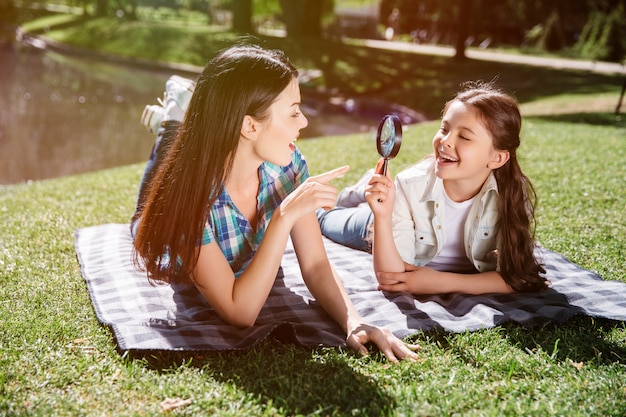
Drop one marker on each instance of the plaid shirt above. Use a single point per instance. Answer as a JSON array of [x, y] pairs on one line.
[[232, 231]]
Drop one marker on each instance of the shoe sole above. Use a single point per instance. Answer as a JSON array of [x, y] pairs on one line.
[[147, 116]]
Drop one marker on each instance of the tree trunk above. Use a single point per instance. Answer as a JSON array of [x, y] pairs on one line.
[[463, 19], [621, 97], [242, 16], [303, 17], [101, 7]]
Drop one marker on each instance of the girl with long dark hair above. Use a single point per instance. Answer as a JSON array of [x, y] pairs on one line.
[[227, 187]]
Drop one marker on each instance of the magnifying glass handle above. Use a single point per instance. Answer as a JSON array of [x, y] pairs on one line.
[[383, 170]]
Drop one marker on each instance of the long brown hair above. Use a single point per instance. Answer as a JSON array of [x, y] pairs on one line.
[[239, 81], [516, 207]]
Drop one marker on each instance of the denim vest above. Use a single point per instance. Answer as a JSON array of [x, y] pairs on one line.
[[419, 219]]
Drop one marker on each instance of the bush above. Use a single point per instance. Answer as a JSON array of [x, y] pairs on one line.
[[604, 36], [553, 37]]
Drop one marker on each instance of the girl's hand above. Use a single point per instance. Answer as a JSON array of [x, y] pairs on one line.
[[312, 194], [380, 193], [414, 281], [393, 348], [423, 280]]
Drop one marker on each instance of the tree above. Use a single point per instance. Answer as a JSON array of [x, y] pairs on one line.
[[8, 15], [304, 17], [604, 34], [101, 7], [463, 19], [125, 8], [242, 16]]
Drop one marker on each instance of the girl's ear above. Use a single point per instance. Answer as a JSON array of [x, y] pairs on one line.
[[498, 159], [249, 128]]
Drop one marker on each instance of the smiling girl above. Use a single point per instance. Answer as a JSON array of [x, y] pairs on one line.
[[226, 188], [460, 220]]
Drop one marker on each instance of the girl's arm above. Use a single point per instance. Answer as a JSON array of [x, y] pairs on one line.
[[239, 301], [318, 274], [423, 280], [381, 195], [327, 288]]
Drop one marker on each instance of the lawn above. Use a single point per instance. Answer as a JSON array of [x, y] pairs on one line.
[[56, 359]]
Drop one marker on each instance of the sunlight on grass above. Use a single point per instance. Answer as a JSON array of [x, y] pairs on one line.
[[55, 356], [44, 24], [567, 104]]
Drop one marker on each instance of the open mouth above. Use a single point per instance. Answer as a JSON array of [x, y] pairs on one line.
[[444, 158]]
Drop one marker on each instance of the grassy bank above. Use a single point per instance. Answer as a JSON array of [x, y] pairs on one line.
[[56, 359], [421, 82]]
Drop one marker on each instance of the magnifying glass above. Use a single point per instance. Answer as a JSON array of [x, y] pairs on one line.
[[389, 139]]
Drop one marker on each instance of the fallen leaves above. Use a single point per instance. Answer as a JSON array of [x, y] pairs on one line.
[[170, 404], [577, 365]]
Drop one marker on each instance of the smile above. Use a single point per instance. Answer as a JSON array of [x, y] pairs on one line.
[[447, 158]]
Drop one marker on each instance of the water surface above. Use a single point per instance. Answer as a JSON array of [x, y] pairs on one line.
[[62, 115]]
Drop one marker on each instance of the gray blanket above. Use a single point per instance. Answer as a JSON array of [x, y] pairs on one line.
[[144, 316]]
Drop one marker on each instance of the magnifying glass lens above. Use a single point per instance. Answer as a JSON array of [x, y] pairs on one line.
[[387, 137]]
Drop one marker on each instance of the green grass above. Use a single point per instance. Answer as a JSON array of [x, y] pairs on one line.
[[56, 359]]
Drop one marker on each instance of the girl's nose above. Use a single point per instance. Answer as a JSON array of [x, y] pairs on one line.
[[305, 121]]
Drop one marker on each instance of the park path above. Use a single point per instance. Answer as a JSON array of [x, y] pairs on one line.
[[485, 55]]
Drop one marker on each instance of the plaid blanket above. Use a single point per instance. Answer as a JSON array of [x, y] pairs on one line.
[[144, 316]]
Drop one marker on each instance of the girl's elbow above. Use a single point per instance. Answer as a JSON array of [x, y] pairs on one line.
[[244, 324], [239, 320]]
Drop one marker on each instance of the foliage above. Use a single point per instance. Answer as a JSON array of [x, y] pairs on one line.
[[604, 35], [554, 25], [346, 69], [553, 37], [595, 28]]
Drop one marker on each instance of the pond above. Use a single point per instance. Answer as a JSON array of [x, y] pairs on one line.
[[63, 115]]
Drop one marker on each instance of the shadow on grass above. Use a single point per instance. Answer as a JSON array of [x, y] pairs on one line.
[[421, 82], [425, 82], [291, 378], [77, 20], [597, 119], [581, 339]]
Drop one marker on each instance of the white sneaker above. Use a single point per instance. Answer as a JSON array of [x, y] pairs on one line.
[[152, 117], [353, 195], [178, 91]]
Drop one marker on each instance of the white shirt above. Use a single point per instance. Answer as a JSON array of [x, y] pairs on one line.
[[419, 219], [452, 257]]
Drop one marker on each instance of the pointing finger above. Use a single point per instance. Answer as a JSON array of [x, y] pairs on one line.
[[331, 175]]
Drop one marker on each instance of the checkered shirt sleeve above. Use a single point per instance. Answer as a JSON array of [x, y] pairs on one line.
[[232, 231]]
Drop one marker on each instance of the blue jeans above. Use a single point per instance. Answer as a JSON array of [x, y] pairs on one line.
[[165, 137], [349, 226]]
